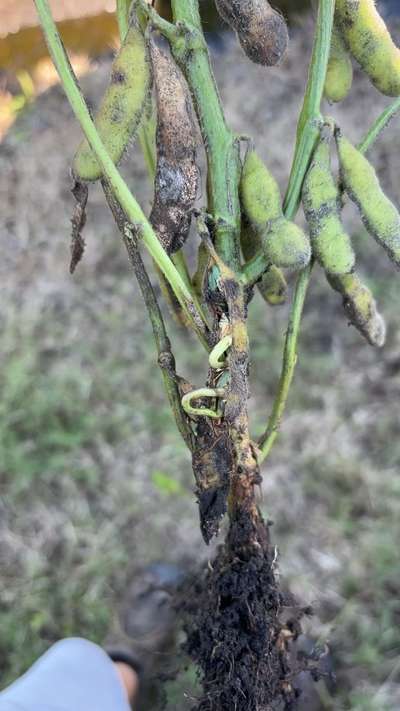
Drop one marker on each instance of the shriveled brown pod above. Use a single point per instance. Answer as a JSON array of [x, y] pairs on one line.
[[177, 175], [261, 31]]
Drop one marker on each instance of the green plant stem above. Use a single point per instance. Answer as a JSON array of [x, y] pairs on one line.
[[267, 440], [120, 189], [190, 51], [310, 117], [380, 124], [123, 17], [307, 135], [253, 270]]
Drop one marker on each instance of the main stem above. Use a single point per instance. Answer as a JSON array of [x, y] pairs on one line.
[[307, 136]]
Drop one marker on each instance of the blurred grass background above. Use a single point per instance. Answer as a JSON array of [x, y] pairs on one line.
[[94, 480]]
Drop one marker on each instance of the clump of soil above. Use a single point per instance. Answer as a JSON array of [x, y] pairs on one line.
[[240, 627]]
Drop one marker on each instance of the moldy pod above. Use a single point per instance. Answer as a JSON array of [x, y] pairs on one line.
[[381, 218], [369, 41], [123, 106], [262, 31], [176, 180], [321, 202]]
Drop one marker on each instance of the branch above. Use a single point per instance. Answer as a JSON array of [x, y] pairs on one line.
[[380, 124], [288, 367], [166, 358], [123, 17]]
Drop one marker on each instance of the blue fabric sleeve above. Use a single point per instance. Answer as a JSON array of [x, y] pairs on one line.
[[74, 675]]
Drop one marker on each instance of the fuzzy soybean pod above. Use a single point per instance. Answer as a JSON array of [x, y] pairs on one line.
[[360, 307], [368, 39], [262, 31], [284, 244], [177, 174], [123, 106], [339, 75], [273, 285], [381, 218], [321, 202]]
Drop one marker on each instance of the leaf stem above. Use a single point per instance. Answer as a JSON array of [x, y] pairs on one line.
[[166, 358], [123, 17], [120, 189], [267, 440], [380, 124]]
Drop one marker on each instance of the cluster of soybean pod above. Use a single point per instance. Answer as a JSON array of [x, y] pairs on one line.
[[146, 82], [358, 31]]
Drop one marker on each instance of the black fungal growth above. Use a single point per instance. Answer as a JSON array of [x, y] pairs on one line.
[[177, 174]]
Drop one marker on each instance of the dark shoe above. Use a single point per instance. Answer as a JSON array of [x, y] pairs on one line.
[[144, 634]]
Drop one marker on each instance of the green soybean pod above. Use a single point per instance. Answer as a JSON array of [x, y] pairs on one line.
[[369, 40], [262, 31], [273, 285], [123, 106], [286, 245], [321, 202], [380, 217], [259, 192], [360, 307], [339, 75]]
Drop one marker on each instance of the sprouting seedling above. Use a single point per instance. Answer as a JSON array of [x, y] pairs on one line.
[[285, 245], [339, 75], [322, 205], [369, 40], [217, 358], [380, 216], [176, 179], [262, 31], [123, 107], [199, 395]]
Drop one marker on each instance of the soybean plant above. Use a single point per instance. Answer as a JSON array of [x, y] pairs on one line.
[[246, 237]]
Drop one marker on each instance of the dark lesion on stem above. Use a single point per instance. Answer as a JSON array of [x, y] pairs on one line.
[[245, 477]]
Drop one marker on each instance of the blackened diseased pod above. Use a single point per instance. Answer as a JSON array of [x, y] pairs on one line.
[[80, 192], [177, 174], [380, 217], [339, 75], [262, 31], [368, 39], [123, 107], [322, 204], [284, 244], [360, 307], [273, 285]]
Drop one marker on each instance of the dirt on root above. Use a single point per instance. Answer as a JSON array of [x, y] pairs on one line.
[[236, 628]]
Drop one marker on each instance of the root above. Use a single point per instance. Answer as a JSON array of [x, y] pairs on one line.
[[236, 635]]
